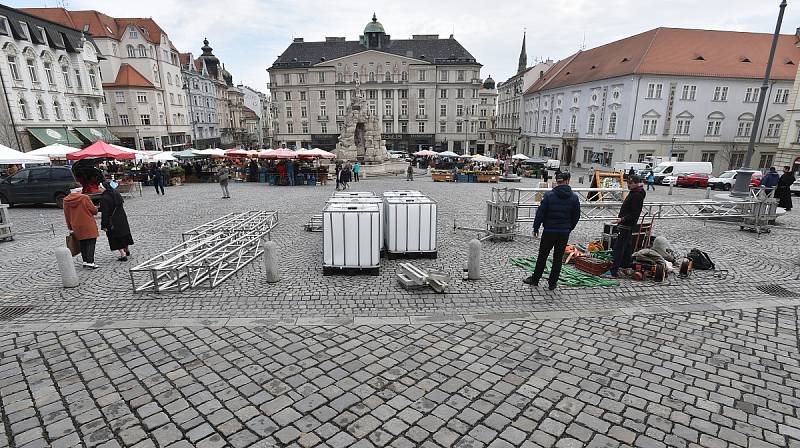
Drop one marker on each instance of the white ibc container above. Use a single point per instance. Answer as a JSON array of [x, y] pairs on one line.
[[410, 224], [402, 194], [364, 200], [354, 194], [350, 236]]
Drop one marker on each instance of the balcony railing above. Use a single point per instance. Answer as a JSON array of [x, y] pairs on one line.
[[322, 117], [403, 117], [422, 117]]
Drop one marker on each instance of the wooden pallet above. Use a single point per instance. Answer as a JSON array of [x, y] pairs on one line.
[[334, 270], [411, 255]]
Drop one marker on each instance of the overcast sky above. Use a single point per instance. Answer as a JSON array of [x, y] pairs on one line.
[[247, 35]]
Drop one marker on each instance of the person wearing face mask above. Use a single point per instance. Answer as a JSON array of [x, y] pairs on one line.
[[626, 221]]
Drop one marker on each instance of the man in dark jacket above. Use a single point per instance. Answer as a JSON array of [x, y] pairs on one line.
[[770, 180], [559, 212], [626, 221]]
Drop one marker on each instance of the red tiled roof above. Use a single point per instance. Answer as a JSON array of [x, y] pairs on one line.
[[127, 76], [183, 58], [100, 25], [678, 52]]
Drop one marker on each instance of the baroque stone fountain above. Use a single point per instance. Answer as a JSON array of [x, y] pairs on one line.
[[361, 136]]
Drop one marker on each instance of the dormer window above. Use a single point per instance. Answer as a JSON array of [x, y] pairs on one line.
[[745, 60], [4, 26], [699, 58], [25, 31], [42, 34], [133, 34]]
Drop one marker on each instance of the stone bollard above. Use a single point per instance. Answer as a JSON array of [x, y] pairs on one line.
[[271, 262], [474, 260], [708, 192], [671, 184], [69, 278]]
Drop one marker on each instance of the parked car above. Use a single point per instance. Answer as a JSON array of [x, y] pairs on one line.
[[726, 180], [675, 168], [402, 155], [40, 185], [795, 187], [667, 180], [697, 180]]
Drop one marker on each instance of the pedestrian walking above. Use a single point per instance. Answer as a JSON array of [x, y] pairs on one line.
[[559, 212], [79, 214], [164, 176], [410, 172], [338, 174], [114, 221], [158, 178], [651, 179], [591, 174], [223, 175], [631, 173], [545, 175], [356, 170], [784, 192], [290, 172], [770, 180], [626, 221]]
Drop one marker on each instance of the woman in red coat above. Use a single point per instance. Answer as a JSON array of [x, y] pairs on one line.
[[79, 213]]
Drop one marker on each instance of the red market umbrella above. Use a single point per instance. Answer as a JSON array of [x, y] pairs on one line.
[[100, 150], [281, 153], [315, 153], [237, 153]]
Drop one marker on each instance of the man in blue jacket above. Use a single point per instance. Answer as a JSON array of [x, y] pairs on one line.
[[559, 212]]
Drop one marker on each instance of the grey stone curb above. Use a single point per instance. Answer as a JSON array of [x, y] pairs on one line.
[[382, 321]]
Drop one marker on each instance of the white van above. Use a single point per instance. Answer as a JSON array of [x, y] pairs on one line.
[[665, 169]]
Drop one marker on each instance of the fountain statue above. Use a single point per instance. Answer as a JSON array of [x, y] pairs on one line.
[[361, 134]]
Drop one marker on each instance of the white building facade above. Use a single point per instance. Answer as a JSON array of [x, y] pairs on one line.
[[424, 91], [51, 82], [141, 76], [629, 115]]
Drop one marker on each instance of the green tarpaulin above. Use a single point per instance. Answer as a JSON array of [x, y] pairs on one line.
[[49, 136], [98, 133]]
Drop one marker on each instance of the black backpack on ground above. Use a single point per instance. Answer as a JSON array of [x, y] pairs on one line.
[[700, 260]]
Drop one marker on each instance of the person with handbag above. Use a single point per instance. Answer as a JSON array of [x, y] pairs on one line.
[[114, 222], [79, 214]]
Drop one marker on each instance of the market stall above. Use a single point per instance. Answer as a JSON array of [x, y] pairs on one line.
[[85, 168]]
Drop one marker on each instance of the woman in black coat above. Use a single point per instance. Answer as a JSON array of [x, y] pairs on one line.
[[114, 222]]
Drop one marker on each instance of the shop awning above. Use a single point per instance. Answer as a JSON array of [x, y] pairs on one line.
[[50, 136], [99, 133]]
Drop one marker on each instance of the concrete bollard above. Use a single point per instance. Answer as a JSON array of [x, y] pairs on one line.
[[474, 260], [271, 262], [671, 184], [708, 192], [69, 278]]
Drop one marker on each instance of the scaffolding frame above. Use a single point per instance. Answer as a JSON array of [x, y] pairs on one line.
[[509, 207], [209, 254]]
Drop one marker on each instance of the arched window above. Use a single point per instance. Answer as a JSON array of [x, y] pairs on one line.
[[612, 123], [73, 110], [355, 76], [57, 110], [169, 79], [544, 123], [23, 109], [572, 122], [590, 127], [90, 112], [387, 76], [339, 77], [92, 79], [404, 76], [557, 124], [371, 76], [142, 51], [131, 51], [40, 109]]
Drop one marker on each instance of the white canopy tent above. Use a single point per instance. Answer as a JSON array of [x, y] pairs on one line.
[[140, 155], [212, 152], [55, 151], [483, 159], [519, 156], [165, 156], [10, 156]]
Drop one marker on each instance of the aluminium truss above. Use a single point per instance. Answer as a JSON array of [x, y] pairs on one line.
[[511, 206], [209, 254]]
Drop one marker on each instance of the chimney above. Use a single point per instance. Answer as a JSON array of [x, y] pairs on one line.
[[297, 39]]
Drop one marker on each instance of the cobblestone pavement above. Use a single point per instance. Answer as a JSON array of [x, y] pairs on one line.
[[710, 361], [712, 379], [28, 269]]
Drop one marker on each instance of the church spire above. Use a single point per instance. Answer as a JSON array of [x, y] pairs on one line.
[[523, 56]]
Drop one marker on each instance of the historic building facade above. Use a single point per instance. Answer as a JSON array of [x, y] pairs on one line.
[[424, 91], [266, 120], [252, 101], [508, 127], [52, 92], [643, 96], [203, 85], [146, 104]]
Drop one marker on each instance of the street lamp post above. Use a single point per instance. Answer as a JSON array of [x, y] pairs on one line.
[[466, 137], [743, 176], [671, 149]]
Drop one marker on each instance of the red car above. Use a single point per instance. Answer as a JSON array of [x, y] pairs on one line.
[[692, 180]]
